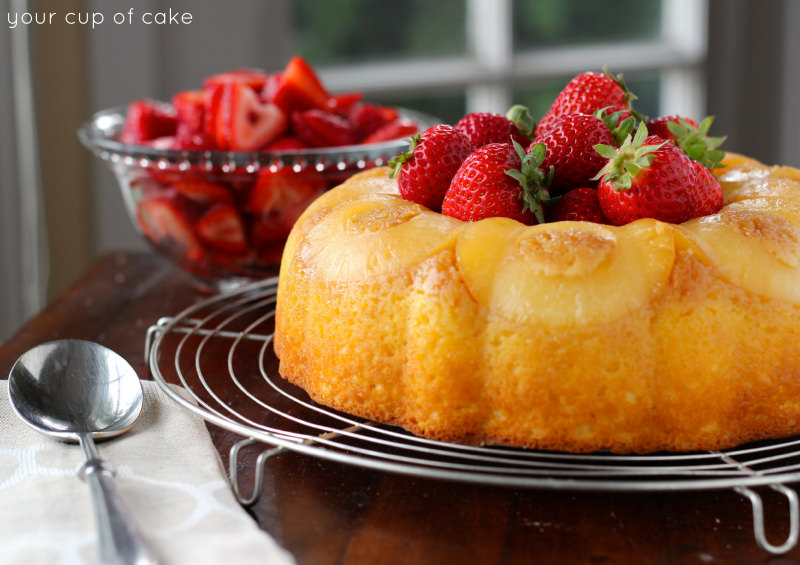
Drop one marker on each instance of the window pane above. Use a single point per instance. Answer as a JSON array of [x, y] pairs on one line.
[[540, 23], [539, 96], [333, 32]]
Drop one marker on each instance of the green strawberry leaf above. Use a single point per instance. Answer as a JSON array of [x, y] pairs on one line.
[[696, 143], [629, 96], [628, 161], [397, 163], [522, 119], [533, 180]]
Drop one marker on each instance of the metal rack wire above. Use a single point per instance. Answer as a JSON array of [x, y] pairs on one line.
[[250, 399]]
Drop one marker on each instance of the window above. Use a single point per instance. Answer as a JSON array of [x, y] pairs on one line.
[[445, 57], [454, 56]]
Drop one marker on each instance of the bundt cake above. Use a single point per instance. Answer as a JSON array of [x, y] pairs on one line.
[[567, 335]]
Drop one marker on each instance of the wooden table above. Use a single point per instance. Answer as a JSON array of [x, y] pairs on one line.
[[331, 513]]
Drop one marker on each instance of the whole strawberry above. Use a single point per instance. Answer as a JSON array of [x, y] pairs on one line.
[[570, 148], [661, 127], [424, 172], [707, 194], [588, 93], [483, 128], [499, 179], [691, 137], [647, 177], [578, 205]]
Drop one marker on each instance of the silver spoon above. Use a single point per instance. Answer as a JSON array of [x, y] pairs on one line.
[[77, 390]]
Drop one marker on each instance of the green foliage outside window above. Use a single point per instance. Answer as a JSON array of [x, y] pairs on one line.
[[340, 32], [540, 23], [346, 31]]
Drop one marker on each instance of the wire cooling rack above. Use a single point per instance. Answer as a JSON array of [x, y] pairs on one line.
[[219, 352]]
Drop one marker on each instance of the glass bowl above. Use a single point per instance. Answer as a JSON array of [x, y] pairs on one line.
[[224, 216]]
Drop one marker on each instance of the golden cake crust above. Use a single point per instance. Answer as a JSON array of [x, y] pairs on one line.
[[566, 336]]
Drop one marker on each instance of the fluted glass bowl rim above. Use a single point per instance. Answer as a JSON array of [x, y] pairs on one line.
[[100, 135]]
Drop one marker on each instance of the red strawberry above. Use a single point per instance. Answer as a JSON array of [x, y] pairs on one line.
[[286, 143], [198, 142], [147, 120], [499, 179], [366, 118], [691, 137], [647, 177], [396, 129], [320, 128], [241, 122], [203, 191], [424, 172], [570, 145], [284, 190], [277, 200], [344, 102], [707, 194], [222, 229], [189, 108], [588, 93], [163, 222], [661, 126], [483, 128], [267, 92], [300, 88], [254, 78], [578, 205], [211, 109]]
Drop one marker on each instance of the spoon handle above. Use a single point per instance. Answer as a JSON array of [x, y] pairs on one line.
[[121, 541]]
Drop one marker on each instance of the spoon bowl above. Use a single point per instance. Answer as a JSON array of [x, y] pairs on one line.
[[67, 387], [79, 391]]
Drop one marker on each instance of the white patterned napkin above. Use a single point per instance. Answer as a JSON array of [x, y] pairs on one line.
[[168, 474]]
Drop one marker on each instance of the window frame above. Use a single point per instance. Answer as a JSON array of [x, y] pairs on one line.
[[490, 68]]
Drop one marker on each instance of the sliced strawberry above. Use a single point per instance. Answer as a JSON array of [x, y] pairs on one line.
[[397, 129], [189, 108], [147, 120], [166, 142], [268, 238], [270, 87], [254, 78], [279, 197], [319, 128], [242, 122], [366, 118], [343, 103], [221, 228], [163, 222], [211, 110], [286, 143], [192, 141], [203, 191], [300, 88]]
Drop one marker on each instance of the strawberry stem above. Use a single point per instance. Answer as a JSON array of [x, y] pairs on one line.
[[696, 143], [620, 129], [397, 163], [533, 180], [521, 117], [627, 161], [629, 96]]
